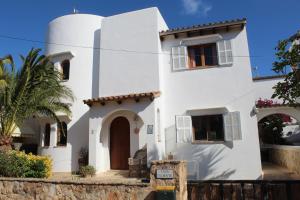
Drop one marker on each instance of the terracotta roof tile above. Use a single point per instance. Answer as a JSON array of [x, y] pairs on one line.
[[278, 105], [205, 26], [268, 77], [135, 96]]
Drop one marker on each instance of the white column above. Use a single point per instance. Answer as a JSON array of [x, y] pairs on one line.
[[53, 135], [94, 137]]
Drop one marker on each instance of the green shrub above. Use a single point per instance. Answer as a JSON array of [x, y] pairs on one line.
[[87, 171], [19, 164]]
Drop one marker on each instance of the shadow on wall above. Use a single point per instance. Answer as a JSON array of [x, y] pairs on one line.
[[152, 153], [202, 160], [96, 64], [78, 137]]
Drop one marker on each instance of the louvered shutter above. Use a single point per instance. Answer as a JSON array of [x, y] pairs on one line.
[[184, 129], [232, 126], [236, 126], [227, 127], [225, 55], [179, 57]]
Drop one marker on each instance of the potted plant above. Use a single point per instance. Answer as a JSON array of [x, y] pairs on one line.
[[87, 171]]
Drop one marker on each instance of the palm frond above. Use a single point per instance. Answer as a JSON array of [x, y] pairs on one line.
[[35, 89]]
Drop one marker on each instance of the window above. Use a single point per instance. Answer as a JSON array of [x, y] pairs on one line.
[[217, 127], [47, 135], [62, 131], [65, 67], [202, 55], [208, 127]]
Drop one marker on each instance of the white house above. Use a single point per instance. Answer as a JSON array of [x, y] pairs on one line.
[[186, 91]]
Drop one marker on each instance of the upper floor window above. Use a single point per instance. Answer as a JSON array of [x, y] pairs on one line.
[[65, 67], [62, 132], [47, 135], [204, 55]]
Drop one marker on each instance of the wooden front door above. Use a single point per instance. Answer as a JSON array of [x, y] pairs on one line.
[[119, 143]]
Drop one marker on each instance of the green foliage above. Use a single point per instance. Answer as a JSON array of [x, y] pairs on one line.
[[288, 57], [19, 164], [87, 171], [35, 90], [271, 128]]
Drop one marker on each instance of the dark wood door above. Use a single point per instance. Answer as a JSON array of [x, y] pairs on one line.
[[119, 143]]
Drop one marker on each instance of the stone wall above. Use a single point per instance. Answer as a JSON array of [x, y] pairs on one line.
[[179, 179], [244, 189], [286, 156], [40, 189]]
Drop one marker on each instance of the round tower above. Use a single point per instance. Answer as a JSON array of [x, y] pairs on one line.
[[73, 43]]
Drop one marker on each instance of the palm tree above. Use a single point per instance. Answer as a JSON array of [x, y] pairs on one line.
[[34, 90]]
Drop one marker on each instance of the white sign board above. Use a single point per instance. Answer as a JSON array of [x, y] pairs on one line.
[[164, 174]]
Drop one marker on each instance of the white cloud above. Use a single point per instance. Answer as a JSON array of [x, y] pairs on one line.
[[192, 7]]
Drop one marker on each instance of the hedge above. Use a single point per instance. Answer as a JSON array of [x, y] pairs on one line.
[[19, 164]]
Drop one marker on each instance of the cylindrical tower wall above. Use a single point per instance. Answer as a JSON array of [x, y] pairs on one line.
[[75, 37]]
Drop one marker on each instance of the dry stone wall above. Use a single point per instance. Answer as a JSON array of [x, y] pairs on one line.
[[286, 156], [40, 189]]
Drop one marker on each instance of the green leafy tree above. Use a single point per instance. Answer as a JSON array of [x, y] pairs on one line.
[[271, 128], [288, 58], [33, 90]]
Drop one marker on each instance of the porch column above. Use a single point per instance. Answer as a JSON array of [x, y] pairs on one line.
[[94, 147]]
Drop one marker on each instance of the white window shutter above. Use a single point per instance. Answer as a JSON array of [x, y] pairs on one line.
[[184, 129], [228, 127], [179, 57], [225, 56], [232, 126], [236, 126]]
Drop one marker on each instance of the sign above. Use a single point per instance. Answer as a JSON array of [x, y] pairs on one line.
[[149, 129], [164, 174]]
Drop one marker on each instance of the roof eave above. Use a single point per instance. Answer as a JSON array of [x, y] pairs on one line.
[[120, 98], [241, 23]]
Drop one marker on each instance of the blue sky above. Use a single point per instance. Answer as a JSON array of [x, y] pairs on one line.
[[268, 20]]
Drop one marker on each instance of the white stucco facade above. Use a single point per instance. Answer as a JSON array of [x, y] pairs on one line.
[[125, 54]]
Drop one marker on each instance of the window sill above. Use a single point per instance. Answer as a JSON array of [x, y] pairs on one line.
[[207, 142], [202, 68], [60, 146], [45, 147]]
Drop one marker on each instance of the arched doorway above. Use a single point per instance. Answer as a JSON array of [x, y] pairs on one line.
[[119, 143]]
